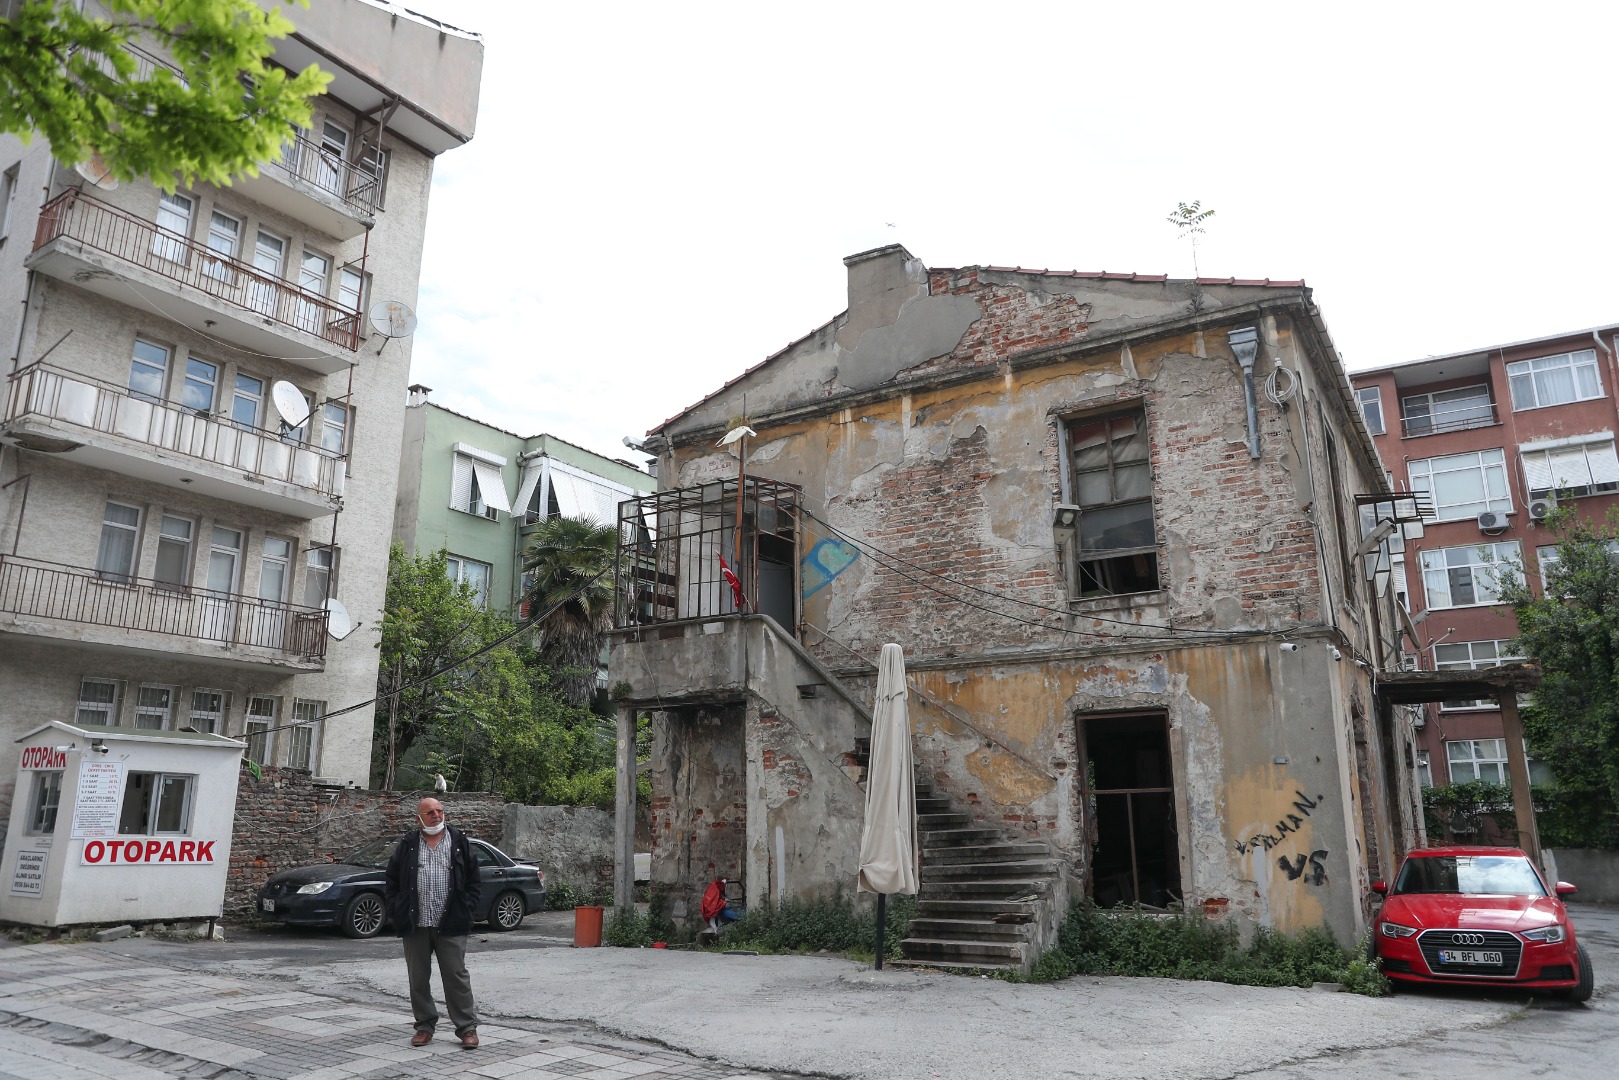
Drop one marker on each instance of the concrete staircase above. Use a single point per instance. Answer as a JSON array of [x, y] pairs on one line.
[[986, 899]]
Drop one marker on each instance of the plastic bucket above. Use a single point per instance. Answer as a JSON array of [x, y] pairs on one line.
[[587, 926]]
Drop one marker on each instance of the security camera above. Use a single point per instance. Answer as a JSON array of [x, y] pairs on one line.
[[98, 748], [1335, 654], [633, 443], [1289, 646]]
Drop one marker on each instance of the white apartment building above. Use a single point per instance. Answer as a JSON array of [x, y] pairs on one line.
[[168, 539]]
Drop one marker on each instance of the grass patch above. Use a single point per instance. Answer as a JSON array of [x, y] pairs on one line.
[[1188, 946], [833, 926]]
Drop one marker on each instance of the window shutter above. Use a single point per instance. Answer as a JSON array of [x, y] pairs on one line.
[[1603, 461], [1537, 471], [492, 486], [1569, 469], [461, 484], [526, 483]]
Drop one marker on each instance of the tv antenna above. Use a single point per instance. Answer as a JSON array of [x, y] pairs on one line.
[[96, 170], [392, 319]]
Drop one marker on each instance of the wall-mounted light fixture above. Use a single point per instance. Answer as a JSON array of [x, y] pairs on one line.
[[1064, 521]]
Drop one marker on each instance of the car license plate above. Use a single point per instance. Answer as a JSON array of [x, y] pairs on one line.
[[1468, 956], [269, 905]]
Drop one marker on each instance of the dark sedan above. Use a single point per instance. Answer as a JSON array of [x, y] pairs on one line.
[[348, 894]]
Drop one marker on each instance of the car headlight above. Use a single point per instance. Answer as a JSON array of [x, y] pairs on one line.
[[1551, 935], [317, 886], [1395, 930]]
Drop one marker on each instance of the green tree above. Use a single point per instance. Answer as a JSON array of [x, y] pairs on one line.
[[65, 74], [1572, 630], [429, 624], [572, 563]]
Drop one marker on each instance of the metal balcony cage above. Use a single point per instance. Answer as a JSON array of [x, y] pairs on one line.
[[674, 547]]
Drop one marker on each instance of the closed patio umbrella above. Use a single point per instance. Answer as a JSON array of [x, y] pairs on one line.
[[888, 851]]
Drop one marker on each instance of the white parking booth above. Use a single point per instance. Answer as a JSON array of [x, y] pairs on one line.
[[116, 825]]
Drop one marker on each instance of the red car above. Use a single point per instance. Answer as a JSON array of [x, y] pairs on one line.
[[1481, 916]]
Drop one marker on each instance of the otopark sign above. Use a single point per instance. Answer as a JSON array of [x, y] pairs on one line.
[[147, 852]]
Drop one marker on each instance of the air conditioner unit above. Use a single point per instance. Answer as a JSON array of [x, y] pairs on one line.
[[1539, 508], [1492, 521]]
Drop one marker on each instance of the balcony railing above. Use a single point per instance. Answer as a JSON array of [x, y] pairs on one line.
[[358, 185], [93, 223], [1475, 416], [45, 590], [44, 391]]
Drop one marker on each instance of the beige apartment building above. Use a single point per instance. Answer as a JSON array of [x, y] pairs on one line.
[[203, 409]]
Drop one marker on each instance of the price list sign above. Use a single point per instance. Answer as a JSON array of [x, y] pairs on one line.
[[95, 810]]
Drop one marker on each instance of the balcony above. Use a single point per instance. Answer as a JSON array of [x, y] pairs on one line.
[[1476, 416], [97, 247], [310, 184], [106, 427], [78, 604]]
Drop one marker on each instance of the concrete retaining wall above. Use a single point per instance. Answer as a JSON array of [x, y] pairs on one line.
[[1596, 873], [572, 844]]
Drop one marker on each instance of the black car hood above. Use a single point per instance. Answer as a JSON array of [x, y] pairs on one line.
[[323, 872]]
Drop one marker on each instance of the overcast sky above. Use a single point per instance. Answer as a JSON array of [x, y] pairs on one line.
[[660, 195]]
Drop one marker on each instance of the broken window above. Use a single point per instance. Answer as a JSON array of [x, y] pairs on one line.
[[1117, 543], [1130, 801]]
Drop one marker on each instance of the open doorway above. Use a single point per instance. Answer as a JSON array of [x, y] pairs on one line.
[[1129, 799]]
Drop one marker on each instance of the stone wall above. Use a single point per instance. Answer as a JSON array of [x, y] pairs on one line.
[[284, 821], [572, 844]]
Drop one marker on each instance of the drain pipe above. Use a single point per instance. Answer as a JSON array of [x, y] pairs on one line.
[[1244, 341]]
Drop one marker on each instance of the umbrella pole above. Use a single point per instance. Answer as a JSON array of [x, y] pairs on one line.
[[882, 920]]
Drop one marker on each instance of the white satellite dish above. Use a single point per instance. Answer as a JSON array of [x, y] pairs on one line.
[[338, 623], [94, 169], [290, 403], [393, 318]]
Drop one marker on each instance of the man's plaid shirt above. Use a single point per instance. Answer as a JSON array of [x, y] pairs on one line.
[[432, 879]]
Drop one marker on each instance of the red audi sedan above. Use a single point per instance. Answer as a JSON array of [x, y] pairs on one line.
[[1481, 916]]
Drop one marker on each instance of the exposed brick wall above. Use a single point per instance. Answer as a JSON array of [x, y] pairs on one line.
[[283, 821], [1014, 321]]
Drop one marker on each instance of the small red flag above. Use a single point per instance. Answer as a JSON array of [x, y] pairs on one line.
[[736, 586]]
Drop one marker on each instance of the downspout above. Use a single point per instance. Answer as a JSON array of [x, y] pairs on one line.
[[1244, 341]]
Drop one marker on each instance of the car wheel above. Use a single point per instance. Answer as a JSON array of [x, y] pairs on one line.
[[507, 912], [363, 916], [1581, 991]]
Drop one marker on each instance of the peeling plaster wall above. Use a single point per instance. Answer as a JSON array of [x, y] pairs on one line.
[[951, 468], [699, 802]]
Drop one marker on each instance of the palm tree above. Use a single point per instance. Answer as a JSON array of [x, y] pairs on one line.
[[572, 563]]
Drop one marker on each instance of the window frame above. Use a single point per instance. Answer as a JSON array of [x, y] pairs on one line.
[[1525, 375], [1478, 583], [1376, 401], [220, 269], [110, 574], [188, 554], [1475, 759], [256, 728], [1421, 475], [10, 180], [216, 718], [174, 251], [153, 813], [459, 576], [1092, 566], [109, 709], [314, 572], [1435, 428], [44, 801], [190, 380], [137, 361], [142, 709], [308, 727], [1605, 464]]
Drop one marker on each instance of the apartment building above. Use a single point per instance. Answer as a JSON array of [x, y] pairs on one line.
[[1493, 438], [477, 491], [201, 418]]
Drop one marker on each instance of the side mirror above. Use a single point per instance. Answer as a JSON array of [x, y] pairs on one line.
[[1380, 888], [1565, 889]]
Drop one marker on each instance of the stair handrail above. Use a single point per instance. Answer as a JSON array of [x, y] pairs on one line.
[[943, 706]]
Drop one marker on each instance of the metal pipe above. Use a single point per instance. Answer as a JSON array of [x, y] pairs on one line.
[[1244, 341]]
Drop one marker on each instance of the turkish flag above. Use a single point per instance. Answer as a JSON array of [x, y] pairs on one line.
[[736, 586]]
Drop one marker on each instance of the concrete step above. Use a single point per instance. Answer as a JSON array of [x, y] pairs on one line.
[[943, 838], [962, 952], [935, 965], [951, 820], [983, 853], [967, 930], [984, 889], [980, 908], [969, 871]]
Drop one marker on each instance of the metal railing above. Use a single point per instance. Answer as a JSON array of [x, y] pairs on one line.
[[1475, 416], [76, 216], [67, 397], [671, 545], [357, 184], [45, 590]]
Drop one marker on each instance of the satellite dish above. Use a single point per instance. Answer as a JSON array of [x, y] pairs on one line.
[[290, 403], [393, 318], [338, 623], [95, 170]]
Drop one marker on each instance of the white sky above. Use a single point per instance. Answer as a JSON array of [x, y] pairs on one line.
[[660, 195]]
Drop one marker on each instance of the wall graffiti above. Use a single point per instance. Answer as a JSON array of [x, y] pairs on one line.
[[1294, 867], [1303, 806], [825, 561]]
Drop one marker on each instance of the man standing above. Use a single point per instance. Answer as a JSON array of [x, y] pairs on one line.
[[431, 890]]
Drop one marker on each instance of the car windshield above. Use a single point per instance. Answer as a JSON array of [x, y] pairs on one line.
[[374, 856], [1470, 875]]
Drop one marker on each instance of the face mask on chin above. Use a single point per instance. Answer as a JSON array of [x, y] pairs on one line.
[[433, 830]]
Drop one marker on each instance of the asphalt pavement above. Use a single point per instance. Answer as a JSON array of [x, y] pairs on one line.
[[320, 1008]]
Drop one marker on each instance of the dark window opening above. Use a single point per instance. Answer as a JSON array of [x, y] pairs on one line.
[[1130, 802], [1116, 546]]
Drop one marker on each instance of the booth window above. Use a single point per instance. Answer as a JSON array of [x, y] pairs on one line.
[[42, 809], [156, 803]]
